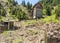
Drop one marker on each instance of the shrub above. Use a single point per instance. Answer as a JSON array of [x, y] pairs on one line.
[[50, 19]]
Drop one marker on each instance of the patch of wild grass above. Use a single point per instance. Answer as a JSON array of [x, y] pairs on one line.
[[5, 32], [50, 19], [18, 40], [28, 22], [32, 31]]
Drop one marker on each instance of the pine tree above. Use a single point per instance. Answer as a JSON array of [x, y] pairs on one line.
[[23, 3], [29, 6]]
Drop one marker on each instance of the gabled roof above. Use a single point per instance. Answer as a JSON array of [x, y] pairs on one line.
[[38, 4]]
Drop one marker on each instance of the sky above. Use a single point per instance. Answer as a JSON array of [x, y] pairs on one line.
[[31, 1]]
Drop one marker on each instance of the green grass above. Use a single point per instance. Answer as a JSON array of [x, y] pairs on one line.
[[47, 19], [18, 40], [28, 22], [50, 19], [32, 31], [5, 32]]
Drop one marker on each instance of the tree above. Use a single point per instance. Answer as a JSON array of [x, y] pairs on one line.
[[49, 5], [57, 11], [23, 13], [29, 6], [23, 3], [2, 10], [13, 10]]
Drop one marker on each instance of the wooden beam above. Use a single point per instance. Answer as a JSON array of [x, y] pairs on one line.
[[8, 25]]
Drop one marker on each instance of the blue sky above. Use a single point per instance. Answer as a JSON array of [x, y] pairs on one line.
[[31, 1]]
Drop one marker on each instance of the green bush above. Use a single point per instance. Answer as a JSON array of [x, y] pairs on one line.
[[50, 19]]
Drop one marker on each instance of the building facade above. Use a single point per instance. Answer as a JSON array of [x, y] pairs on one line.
[[37, 11]]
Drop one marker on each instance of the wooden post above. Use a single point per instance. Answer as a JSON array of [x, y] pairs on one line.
[[8, 26], [13, 25]]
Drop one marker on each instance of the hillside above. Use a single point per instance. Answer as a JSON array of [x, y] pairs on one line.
[[32, 33], [28, 29], [11, 9]]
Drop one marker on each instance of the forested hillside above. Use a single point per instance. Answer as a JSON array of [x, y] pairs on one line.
[[51, 7], [11, 9]]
